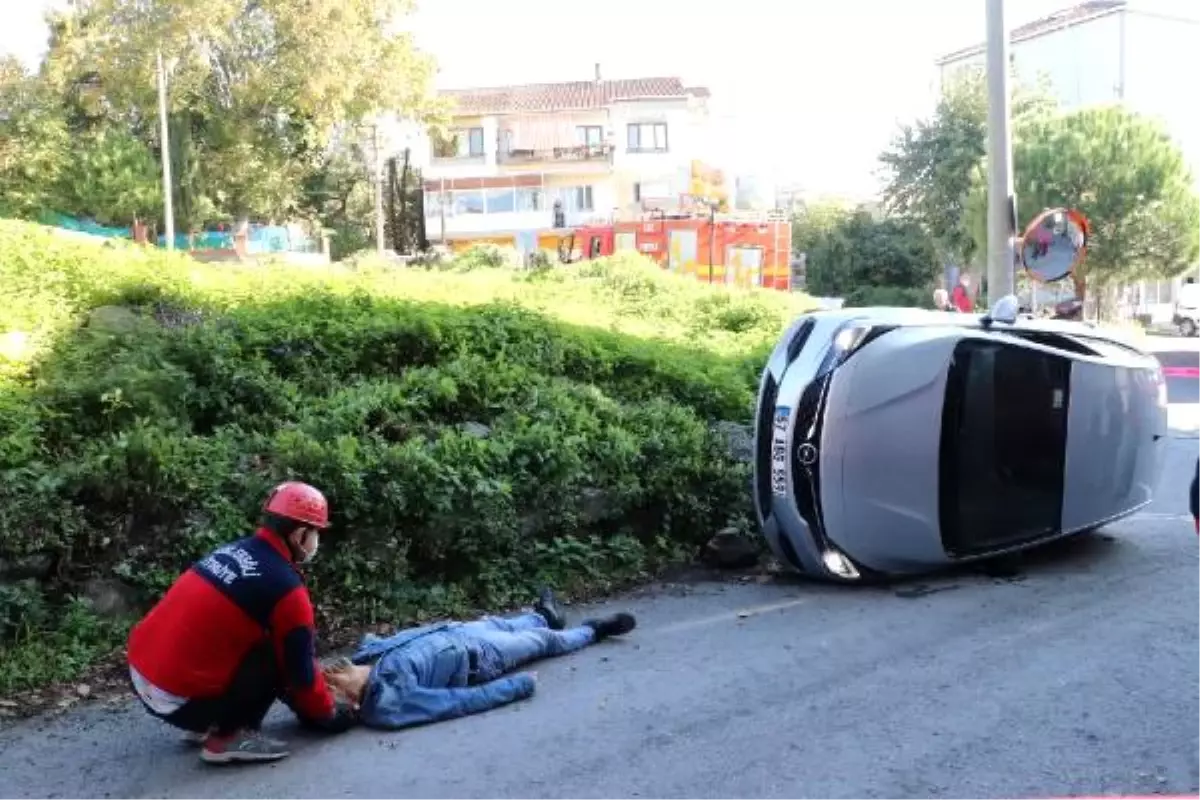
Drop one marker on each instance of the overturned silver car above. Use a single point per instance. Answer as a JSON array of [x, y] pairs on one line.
[[893, 441]]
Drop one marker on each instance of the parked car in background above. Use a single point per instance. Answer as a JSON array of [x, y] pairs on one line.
[[1187, 308], [893, 441]]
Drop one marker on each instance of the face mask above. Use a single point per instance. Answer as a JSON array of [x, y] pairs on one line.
[[306, 558]]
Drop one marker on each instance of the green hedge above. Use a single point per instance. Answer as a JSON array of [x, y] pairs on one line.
[[477, 430]]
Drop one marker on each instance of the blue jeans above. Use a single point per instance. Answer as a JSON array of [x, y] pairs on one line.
[[502, 645]]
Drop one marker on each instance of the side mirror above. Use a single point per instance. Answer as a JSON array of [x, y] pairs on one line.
[[1054, 244], [1005, 310]]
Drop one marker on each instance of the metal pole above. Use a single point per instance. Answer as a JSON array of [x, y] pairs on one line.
[[378, 191], [168, 202], [1001, 202], [442, 212], [712, 238]]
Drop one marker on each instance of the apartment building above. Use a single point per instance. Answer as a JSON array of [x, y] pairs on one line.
[[523, 160], [1132, 52]]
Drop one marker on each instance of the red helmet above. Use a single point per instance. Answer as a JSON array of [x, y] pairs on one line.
[[299, 502]]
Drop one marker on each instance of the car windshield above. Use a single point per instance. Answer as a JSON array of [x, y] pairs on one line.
[[1003, 448]]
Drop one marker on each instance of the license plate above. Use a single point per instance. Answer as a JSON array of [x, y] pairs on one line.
[[779, 452]]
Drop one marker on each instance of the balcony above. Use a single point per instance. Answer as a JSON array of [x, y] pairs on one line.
[[598, 154], [457, 160]]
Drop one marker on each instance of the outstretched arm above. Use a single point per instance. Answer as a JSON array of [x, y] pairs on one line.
[[295, 648]]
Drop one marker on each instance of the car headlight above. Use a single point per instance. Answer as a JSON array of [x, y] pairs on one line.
[[839, 565], [848, 339]]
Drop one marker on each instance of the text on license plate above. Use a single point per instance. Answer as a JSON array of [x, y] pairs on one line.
[[779, 451]]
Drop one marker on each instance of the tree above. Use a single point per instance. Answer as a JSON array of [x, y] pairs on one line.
[[256, 86], [34, 142], [112, 177], [1127, 177], [851, 253], [338, 192], [933, 164]]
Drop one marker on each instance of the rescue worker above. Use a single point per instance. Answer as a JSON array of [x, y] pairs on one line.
[[235, 633]]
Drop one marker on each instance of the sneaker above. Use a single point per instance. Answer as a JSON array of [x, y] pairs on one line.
[[547, 607], [243, 746], [613, 625]]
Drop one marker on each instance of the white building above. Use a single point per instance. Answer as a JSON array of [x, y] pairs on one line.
[[1142, 54], [596, 148]]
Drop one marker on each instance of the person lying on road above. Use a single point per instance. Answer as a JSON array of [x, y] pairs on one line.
[[235, 633], [452, 669]]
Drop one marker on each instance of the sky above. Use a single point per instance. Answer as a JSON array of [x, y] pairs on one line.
[[806, 93]]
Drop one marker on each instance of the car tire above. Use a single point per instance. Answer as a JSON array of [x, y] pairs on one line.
[[1187, 327]]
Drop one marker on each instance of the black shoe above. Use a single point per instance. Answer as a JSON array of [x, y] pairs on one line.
[[548, 608], [612, 625]]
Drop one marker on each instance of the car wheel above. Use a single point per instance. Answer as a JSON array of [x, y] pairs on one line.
[[1187, 327]]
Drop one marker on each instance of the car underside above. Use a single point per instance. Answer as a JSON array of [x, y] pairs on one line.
[[894, 441]]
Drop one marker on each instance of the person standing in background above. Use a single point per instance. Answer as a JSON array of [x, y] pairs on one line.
[[962, 295]]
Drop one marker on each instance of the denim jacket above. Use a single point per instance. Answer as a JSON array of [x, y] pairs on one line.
[[421, 675]]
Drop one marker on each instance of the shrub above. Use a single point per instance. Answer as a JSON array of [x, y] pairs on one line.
[[890, 296], [476, 432], [488, 256]]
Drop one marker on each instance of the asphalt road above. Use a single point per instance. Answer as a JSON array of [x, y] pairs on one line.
[[1075, 674]]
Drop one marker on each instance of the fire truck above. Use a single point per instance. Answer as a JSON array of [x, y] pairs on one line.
[[736, 249]]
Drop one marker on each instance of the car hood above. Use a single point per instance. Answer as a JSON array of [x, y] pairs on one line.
[[881, 503]]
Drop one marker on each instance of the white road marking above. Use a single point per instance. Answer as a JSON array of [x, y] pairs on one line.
[[732, 616]]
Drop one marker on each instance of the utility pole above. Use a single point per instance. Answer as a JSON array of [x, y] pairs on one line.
[[442, 211], [379, 244], [1002, 204], [168, 202]]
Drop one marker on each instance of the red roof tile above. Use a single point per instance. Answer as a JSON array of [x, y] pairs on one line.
[[1059, 19], [575, 96]]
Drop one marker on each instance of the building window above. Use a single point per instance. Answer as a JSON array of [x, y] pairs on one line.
[[589, 135], [506, 141], [529, 200], [581, 199], [575, 198], [647, 137], [637, 192], [468, 202], [462, 143], [500, 201], [433, 204], [473, 141]]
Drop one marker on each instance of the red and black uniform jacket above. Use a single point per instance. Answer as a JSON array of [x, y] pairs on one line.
[[229, 602]]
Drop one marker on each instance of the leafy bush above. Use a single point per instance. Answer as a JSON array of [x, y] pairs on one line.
[[849, 250], [488, 256], [863, 296], [476, 432]]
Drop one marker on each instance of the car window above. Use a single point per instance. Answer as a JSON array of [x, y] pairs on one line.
[[1003, 448]]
